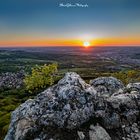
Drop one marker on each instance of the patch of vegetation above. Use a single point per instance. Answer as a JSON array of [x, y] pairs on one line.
[[130, 76], [41, 77], [9, 100]]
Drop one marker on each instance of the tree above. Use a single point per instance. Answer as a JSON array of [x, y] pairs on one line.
[[40, 77]]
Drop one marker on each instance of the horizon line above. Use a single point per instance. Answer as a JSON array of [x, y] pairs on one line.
[[69, 46]]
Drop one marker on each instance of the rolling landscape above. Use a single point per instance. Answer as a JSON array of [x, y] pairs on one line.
[[79, 59]]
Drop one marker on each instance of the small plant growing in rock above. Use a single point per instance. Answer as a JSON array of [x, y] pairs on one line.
[[40, 77]]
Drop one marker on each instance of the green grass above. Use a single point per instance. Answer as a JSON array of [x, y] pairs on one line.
[[9, 101]]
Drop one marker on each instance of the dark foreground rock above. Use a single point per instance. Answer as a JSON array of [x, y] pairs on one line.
[[75, 110]]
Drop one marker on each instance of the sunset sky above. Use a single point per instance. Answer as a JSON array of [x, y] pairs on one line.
[[44, 23]]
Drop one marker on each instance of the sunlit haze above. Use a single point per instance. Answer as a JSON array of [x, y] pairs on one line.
[[86, 44]]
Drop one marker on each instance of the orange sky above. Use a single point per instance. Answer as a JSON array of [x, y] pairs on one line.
[[71, 42], [44, 23]]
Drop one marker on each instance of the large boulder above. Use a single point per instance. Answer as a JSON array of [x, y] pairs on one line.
[[65, 105], [67, 109], [106, 86]]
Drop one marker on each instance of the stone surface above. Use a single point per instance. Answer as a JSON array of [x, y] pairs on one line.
[[98, 133], [67, 110], [106, 86], [133, 87], [81, 135]]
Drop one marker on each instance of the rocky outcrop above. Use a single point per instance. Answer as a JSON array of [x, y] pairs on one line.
[[11, 80], [73, 109]]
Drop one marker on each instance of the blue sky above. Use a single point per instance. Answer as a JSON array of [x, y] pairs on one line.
[[45, 19]]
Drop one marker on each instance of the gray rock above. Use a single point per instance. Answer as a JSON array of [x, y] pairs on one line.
[[133, 87], [65, 105], [131, 131], [106, 86], [81, 135], [98, 133]]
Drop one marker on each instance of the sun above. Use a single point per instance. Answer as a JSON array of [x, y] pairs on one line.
[[86, 44]]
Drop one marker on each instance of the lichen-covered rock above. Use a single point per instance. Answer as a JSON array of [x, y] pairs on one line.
[[121, 107], [131, 131], [133, 88], [106, 86], [67, 109], [65, 105]]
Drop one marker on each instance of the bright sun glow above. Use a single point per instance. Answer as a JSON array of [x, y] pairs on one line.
[[86, 44]]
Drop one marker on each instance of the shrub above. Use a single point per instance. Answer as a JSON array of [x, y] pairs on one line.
[[128, 76], [40, 77]]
